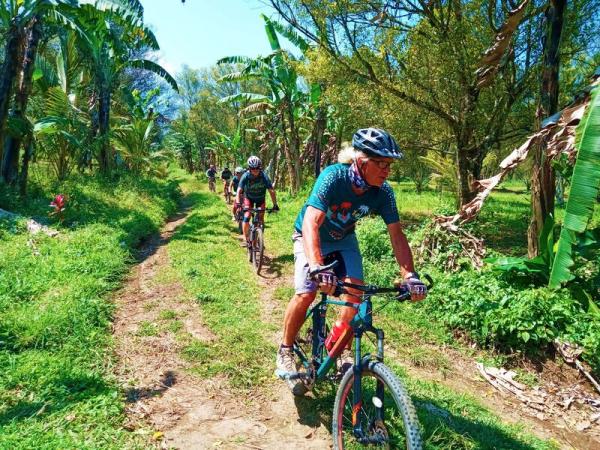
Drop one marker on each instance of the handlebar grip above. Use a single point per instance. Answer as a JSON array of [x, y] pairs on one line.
[[320, 269]]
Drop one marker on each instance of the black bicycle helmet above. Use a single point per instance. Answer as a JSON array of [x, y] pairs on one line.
[[377, 142]]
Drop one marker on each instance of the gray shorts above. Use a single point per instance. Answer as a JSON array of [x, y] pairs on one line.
[[347, 248]]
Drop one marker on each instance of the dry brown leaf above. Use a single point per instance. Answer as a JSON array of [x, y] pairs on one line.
[[490, 61]]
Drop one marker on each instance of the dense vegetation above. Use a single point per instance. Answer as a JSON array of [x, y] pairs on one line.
[[57, 388], [86, 113]]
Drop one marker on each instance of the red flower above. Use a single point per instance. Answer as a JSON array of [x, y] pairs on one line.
[[59, 206]]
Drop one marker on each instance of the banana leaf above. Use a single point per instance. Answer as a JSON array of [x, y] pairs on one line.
[[583, 193]]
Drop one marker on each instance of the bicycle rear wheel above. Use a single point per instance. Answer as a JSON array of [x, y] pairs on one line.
[[387, 415], [258, 246]]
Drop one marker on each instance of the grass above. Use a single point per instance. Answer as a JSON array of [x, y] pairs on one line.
[[213, 269], [56, 390]]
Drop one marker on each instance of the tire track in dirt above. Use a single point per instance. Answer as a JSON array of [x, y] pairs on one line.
[[172, 406]]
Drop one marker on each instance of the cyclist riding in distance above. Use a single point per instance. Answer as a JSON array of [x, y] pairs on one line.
[[211, 173], [235, 182], [226, 177], [342, 194], [253, 186]]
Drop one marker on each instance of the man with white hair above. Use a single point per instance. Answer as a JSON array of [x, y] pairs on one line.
[[342, 194]]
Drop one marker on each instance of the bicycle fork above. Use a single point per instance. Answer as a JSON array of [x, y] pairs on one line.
[[357, 399]]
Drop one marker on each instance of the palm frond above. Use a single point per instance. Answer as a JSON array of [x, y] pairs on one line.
[[151, 66]]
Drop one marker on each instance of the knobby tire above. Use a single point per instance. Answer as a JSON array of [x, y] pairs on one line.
[[258, 245], [251, 247], [400, 424]]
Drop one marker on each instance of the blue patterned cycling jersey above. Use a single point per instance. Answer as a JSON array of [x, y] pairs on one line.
[[255, 188], [235, 182], [333, 195]]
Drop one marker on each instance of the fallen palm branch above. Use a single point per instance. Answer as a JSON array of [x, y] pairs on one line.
[[491, 59], [559, 133], [570, 353]]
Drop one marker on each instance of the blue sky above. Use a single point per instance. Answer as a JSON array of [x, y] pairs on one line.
[[200, 32]]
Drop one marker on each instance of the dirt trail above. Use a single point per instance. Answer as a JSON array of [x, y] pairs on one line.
[[177, 409]]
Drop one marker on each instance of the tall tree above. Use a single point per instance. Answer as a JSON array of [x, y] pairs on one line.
[[115, 30], [542, 176], [386, 43]]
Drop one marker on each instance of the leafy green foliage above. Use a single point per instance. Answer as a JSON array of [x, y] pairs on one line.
[[537, 268], [585, 184]]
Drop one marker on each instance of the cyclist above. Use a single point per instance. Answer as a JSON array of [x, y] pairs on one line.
[[237, 175], [211, 173], [342, 194], [226, 177], [253, 186]]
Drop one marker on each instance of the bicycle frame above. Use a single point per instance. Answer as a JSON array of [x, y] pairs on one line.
[[254, 218], [318, 367], [360, 324]]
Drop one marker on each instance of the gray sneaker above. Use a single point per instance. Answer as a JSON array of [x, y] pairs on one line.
[[286, 366]]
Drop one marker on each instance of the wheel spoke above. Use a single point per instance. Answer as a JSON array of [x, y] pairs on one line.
[[381, 417]]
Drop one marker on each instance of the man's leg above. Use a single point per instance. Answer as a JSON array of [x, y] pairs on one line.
[[247, 204], [294, 316]]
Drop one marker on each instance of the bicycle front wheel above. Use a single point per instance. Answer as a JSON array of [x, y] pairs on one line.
[[251, 247], [387, 416], [258, 245]]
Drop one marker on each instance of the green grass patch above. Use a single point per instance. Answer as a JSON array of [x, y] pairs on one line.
[[213, 268], [56, 390], [147, 328]]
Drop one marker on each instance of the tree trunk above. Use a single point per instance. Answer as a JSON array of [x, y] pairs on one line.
[[32, 35], [7, 77], [103, 127], [542, 177], [317, 138], [27, 154], [466, 161], [289, 160], [293, 150]]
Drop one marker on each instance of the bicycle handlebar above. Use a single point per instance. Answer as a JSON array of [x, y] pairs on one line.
[[403, 292], [255, 210]]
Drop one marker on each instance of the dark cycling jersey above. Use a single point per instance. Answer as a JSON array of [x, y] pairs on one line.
[[255, 188], [235, 183], [211, 173], [226, 174], [333, 195]]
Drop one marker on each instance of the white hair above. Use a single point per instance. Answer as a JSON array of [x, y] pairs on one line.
[[348, 154]]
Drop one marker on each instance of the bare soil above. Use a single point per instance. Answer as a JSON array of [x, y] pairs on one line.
[[173, 407]]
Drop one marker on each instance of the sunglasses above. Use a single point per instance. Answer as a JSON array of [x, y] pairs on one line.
[[381, 164]]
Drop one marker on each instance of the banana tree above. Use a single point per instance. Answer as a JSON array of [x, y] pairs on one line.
[[585, 184], [284, 98], [115, 32], [24, 20]]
